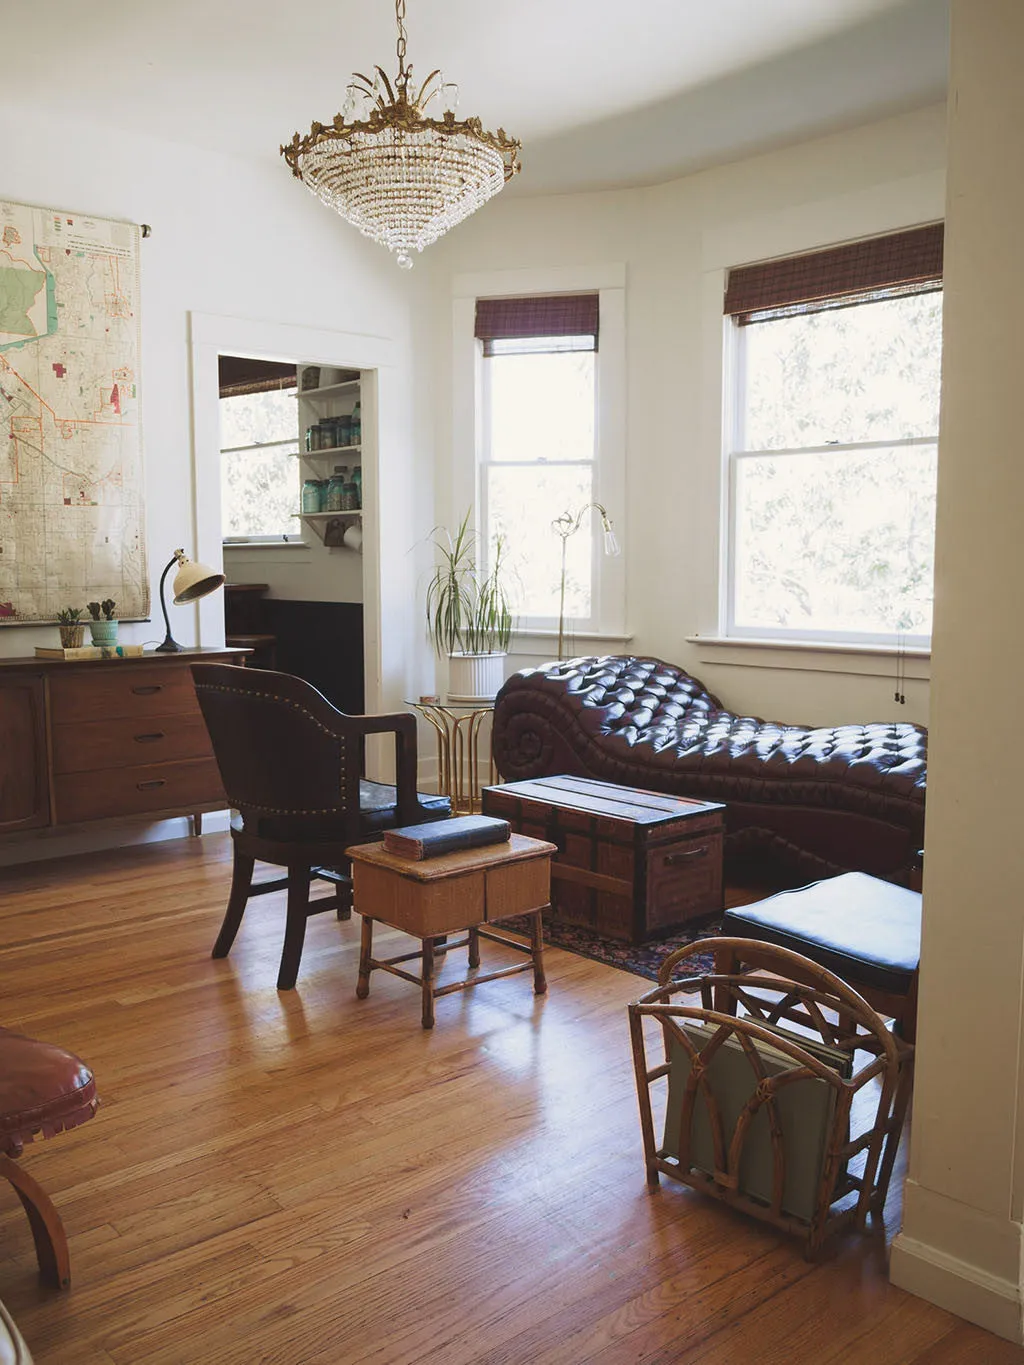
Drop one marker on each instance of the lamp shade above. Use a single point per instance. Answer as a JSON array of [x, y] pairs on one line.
[[193, 581]]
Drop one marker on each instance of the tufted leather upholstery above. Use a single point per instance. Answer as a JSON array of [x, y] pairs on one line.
[[821, 801]]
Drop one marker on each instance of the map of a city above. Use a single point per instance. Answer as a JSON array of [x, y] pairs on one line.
[[71, 478]]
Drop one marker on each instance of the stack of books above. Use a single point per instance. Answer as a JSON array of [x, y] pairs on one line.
[[446, 836], [91, 652]]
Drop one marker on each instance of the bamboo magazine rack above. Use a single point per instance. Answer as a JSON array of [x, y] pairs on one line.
[[779, 1121]]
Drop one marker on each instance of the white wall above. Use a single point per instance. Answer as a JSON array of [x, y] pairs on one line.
[[963, 1239], [234, 239], [676, 241]]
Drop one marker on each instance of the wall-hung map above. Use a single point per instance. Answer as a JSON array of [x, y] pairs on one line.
[[71, 479]]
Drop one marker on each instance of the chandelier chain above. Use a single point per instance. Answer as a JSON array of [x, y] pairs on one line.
[[400, 45]]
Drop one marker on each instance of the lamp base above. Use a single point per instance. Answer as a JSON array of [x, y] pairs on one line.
[[169, 646]]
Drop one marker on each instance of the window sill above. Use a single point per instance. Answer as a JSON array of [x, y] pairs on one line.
[[812, 656], [261, 545], [530, 642]]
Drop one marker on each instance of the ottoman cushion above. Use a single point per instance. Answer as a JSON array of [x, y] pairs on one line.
[[857, 926], [43, 1089]]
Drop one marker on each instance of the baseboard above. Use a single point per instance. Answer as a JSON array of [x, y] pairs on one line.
[[104, 835], [958, 1286]]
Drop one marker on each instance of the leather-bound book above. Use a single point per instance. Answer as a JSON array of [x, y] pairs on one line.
[[446, 836]]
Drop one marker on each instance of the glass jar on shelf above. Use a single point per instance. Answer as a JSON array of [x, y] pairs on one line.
[[356, 434], [336, 489], [357, 479], [311, 495]]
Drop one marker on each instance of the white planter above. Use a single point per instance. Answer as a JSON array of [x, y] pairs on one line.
[[475, 677]]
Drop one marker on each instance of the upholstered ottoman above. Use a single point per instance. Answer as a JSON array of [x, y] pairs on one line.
[[43, 1090], [865, 930]]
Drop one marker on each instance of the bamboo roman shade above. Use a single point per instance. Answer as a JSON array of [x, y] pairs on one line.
[[245, 374], [900, 262], [548, 315]]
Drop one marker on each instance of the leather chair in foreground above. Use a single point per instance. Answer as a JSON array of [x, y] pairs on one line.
[[43, 1091], [291, 764]]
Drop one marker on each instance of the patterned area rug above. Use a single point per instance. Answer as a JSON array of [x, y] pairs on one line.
[[643, 960]]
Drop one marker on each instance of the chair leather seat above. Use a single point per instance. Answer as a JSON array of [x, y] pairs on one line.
[[863, 929], [43, 1089], [377, 802]]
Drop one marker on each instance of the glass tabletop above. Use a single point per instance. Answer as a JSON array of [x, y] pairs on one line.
[[440, 704]]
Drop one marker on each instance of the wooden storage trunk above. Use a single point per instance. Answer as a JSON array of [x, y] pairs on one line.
[[631, 864]]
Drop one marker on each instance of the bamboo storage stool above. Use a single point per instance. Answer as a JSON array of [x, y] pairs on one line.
[[432, 898]]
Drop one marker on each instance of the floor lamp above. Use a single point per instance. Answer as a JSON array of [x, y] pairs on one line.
[[565, 526], [191, 582]]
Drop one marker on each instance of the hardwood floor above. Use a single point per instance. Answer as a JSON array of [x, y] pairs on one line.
[[308, 1177]]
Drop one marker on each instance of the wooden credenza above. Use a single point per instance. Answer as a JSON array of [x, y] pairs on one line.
[[99, 740]]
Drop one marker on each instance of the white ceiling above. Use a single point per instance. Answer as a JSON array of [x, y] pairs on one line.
[[670, 84]]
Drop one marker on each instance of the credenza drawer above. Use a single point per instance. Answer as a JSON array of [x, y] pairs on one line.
[[121, 690], [129, 791], [98, 744]]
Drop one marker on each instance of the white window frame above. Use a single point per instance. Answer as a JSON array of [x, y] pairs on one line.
[[734, 452], [285, 538], [607, 622], [527, 624]]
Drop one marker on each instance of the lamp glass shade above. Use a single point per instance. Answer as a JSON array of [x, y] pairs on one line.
[[611, 545], [193, 581]]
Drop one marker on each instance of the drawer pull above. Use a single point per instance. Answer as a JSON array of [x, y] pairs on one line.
[[151, 784], [148, 690], [671, 859], [150, 738]]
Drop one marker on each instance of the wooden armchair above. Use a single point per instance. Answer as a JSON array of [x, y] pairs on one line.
[[291, 764], [779, 1122]]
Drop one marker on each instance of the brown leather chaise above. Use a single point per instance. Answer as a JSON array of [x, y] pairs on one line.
[[818, 802]]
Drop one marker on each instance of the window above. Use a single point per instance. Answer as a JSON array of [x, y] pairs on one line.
[[832, 456], [259, 444], [539, 444]]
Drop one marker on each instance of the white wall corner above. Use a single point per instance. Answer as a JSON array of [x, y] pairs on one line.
[[980, 1280]]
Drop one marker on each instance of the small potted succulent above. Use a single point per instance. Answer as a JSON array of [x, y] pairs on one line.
[[103, 624], [72, 631]]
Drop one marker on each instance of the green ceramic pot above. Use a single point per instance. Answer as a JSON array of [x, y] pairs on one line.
[[103, 632]]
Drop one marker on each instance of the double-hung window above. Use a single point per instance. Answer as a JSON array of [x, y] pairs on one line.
[[539, 449], [831, 442], [259, 445]]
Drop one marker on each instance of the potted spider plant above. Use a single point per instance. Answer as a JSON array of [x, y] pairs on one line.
[[469, 618]]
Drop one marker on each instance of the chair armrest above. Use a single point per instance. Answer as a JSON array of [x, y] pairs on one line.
[[403, 725]]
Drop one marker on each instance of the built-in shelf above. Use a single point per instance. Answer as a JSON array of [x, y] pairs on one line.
[[330, 390], [332, 450], [320, 522]]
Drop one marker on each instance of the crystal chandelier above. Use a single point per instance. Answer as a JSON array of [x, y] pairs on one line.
[[398, 175]]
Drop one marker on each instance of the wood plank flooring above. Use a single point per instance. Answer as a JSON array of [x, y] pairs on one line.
[[306, 1177]]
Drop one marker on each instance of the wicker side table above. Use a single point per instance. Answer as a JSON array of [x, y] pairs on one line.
[[435, 897]]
